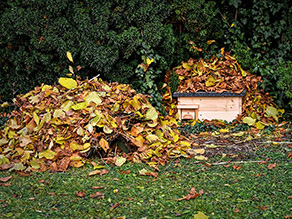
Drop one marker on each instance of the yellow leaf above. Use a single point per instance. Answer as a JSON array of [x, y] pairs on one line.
[[18, 166], [66, 106], [139, 141], [239, 134], [151, 138], [79, 106], [200, 215], [3, 141], [200, 157], [224, 130], [104, 144], [185, 144], [36, 118], [260, 125], [75, 146], [93, 97], [248, 120], [4, 160], [232, 25], [149, 61], [271, 111], [186, 65], [68, 83], [211, 81], [107, 130], [58, 113], [199, 151], [71, 69], [120, 161], [5, 104], [48, 154], [46, 87], [210, 42], [151, 114], [69, 56], [35, 164]]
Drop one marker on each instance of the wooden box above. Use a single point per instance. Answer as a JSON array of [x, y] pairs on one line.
[[202, 105]]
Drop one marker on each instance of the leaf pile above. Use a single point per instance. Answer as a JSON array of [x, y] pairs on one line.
[[61, 125], [222, 73]]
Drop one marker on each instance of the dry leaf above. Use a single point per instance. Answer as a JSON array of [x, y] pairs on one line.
[[272, 166], [5, 179], [192, 195], [80, 194]]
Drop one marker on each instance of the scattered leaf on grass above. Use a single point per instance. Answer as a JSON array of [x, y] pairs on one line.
[[5, 179], [236, 167], [200, 157], [80, 194], [200, 215], [5, 184], [272, 166], [97, 195], [120, 161], [145, 172], [192, 195], [114, 206], [97, 187]]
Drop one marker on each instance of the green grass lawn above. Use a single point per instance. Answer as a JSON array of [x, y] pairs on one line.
[[247, 190]]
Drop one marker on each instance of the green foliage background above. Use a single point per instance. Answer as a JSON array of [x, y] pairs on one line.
[[112, 38]]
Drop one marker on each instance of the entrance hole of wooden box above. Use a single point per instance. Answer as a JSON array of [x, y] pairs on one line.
[[187, 111]]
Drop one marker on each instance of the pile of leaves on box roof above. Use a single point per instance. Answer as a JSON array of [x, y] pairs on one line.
[[62, 125], [223, 73]]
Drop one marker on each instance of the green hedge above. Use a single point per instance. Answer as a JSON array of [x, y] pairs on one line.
[[112, 38]]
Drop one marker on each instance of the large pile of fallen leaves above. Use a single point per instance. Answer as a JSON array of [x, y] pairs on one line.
[[222, 73], [62, 125]]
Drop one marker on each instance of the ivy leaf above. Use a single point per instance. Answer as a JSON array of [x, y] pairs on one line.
[[68, 83], [69, 56]]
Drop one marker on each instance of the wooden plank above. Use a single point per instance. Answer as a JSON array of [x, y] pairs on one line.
[[223, 115]]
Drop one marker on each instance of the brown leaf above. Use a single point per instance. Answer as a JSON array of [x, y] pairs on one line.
[[236, 210], [63, 164], [5, 184], [114, 206], [80, 194], [271, 166], [103, 172], [97, 187], [236, 167], [97, 195], [192, 195], [5, 179]]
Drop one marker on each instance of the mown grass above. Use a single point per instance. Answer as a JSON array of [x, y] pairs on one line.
[[251, 191]]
